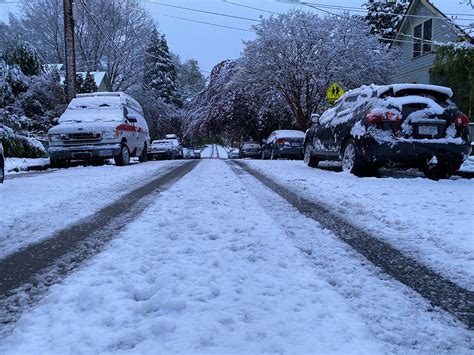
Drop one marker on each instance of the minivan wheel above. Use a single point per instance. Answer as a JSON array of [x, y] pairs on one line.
[[310, 160], [123, 158], [144, 156], [352, 161]]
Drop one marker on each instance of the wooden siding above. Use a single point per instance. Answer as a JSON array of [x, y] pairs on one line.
[[417, 70]]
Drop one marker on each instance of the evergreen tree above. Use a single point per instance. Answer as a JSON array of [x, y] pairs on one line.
[[79, 84], [190, 79], [160, 70], [384, 16], [24, 55], [89, 83]]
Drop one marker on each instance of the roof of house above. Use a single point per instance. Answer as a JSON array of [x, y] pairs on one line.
[[461, 16]]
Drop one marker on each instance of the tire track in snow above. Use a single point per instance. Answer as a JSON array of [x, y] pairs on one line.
[[26, 274], [438, 290]]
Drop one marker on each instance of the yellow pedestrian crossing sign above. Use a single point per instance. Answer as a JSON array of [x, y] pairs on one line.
[[335, 91]]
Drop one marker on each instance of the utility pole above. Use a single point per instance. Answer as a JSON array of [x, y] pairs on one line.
[[70, 50]]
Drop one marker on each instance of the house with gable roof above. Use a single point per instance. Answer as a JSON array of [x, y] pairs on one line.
[[426, 24]]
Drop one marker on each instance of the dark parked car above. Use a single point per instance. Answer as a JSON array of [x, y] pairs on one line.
[[163, 149], [405, 125], [250, 149], [2, 164], [284, 144]]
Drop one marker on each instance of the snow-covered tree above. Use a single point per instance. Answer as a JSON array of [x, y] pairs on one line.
[[160, 70], [190, 80], [24, 55], [384, 17], [299, 55], [116, 47]]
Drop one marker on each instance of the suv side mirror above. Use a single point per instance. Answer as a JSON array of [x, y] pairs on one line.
[[315, 118]]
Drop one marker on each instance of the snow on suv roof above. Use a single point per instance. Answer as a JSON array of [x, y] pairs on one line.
[[382, 89]]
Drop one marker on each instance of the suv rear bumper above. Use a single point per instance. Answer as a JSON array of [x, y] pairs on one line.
[[414, 154], [84, 152]]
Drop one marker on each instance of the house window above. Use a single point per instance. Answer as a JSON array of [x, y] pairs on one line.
[[423, 35]]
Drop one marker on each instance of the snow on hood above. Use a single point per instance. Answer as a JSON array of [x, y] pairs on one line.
[[86, 126]]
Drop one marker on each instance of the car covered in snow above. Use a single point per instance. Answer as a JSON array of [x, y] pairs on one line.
[[99, 126], [283, 144], [2, 164], [195, 154], [250, 149], [404, 125], [173, 138], [162, 149]]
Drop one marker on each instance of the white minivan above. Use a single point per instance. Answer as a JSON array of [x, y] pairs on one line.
[[100, 126]]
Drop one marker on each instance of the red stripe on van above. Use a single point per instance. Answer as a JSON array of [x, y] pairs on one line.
[[130, 128]]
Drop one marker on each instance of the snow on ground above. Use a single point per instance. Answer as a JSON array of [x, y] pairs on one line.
[[428, 220], [206, 270], [468, 165], [22, 164], [207, 151], [34, 207], [222, 152]]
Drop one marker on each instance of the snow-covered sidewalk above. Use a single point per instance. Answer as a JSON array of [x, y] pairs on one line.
[[34, 207], [15, 165], [428, 220], [207, 270]]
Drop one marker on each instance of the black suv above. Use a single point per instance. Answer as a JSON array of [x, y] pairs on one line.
[[404, 125]]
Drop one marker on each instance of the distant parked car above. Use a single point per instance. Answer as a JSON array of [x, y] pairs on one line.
[[195, 154], [405, 125], [283, 144], [173, 138], [163, 149], [250, 149], [234, 153], [2, 164], [100, 126]]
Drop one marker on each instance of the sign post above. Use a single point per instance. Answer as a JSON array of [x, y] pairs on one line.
[[335, 91]]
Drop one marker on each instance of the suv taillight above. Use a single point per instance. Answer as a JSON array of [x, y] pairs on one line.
[[461, 120], [379, 116], [281, 141]]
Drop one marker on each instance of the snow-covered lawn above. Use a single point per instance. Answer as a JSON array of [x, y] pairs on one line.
[[431, 221], [34, 207], [206, 270], [21, 164]]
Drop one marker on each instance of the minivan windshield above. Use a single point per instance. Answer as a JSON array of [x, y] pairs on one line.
[[93, 109]]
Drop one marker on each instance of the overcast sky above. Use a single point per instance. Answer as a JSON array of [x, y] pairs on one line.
[[210, 44]]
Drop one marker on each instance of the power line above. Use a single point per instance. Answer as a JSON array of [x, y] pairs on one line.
[[202, 11], [249, 7], [205, 23]]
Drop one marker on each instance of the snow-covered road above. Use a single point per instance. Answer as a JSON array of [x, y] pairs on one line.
[[34, 207], [221, 264], [430, 221]]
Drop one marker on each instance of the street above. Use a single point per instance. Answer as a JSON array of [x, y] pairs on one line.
[[222, 256]]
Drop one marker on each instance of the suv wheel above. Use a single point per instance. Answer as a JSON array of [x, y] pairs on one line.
[[2, 174], [438, 172], [310, 160], [144, 156], [124, 156], [351, 159]]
